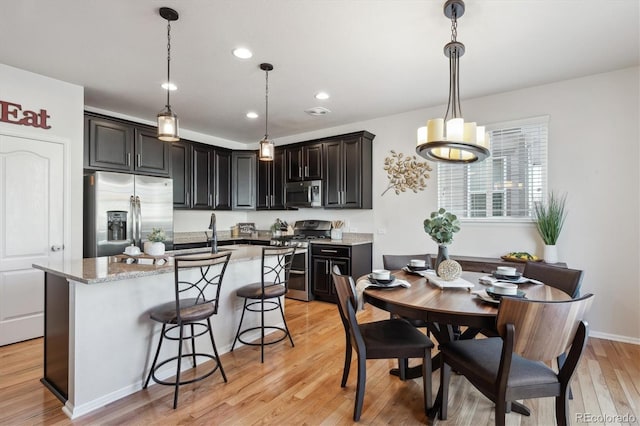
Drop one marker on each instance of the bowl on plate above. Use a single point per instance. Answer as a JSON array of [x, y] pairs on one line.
[[389, 280], [413, 268], [500, 276], [380, 274], [505, 289], [497, 296]]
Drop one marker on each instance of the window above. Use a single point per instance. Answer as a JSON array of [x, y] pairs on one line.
[[506, 185]]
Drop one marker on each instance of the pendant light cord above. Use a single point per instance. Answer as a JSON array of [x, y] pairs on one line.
[[266, 102], [168, 64]]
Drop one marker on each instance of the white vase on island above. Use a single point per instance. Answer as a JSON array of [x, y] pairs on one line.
[[154, 248], [550, 253]]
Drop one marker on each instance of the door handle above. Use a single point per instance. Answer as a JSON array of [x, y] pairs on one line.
[[57, 248], [328, 251], [210, 200], [273, 200], [306, 171], [138, 161], [300, 171]]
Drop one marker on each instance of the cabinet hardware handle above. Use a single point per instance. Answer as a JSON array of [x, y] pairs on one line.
[[273, 200], [300, 171], [328, 251], [188, 198], [138, 161], [128, 158], [306, 171], [266, 200], [326, 267], [210, 199]]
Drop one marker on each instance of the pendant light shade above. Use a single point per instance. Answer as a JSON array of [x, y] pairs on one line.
[[266, 146], [450, 139], [167, 120]]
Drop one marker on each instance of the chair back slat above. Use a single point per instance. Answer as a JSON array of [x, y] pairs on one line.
[[543, 330], [205, 278], [345, 290], [393, 262], [565, 279]]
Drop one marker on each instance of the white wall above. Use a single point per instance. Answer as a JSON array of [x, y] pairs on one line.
[[64, 103], [593, 157]]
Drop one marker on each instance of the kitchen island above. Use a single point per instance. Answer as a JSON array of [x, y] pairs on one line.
[[99, 341]]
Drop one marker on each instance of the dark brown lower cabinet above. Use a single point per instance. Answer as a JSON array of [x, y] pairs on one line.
[[56, 336], [352, 260]]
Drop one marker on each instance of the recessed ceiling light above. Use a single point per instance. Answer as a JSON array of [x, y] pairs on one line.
[[252, 114], [322, 95], [169, 86], [317, 111], [242, 53]]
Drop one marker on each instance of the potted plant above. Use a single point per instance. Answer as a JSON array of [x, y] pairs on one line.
[[549, 221], [441, 226], [155, 245]]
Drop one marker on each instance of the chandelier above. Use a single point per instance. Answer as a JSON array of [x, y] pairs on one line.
[[167, 120], [266, 145], [450, 139]]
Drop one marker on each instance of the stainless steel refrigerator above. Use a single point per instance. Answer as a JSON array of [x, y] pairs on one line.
[[121, 209]]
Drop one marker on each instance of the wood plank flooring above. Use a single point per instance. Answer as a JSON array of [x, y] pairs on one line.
[[301, 386]]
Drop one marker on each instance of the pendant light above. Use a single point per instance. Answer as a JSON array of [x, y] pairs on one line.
[[450, 139], [167, 120], [266, 145]]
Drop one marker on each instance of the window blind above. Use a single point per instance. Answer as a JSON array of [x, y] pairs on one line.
[[508, 183]]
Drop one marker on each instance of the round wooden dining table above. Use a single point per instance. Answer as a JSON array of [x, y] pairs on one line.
[[444, 310]]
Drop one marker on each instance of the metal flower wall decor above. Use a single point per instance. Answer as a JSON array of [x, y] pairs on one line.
[[405, 172]]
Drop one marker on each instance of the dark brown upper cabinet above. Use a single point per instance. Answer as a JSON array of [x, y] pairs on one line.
[[118, 145], [270, 182], [201, 176], [348, 171], [304, 162]]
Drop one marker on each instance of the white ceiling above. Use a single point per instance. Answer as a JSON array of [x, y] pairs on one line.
[[375, 57]]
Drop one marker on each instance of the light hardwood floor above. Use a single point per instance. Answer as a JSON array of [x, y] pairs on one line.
[[301, 386]]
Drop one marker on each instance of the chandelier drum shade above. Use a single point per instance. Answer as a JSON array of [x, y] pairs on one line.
[[450, 139], [266, 145], [167, 120]]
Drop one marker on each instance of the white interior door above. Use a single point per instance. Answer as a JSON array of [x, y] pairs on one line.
[[31, 230]]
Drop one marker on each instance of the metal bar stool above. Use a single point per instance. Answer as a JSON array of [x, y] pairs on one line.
[[196, 300], [265, 296]]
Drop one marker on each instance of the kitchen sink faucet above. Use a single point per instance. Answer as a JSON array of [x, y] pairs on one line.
[[214, 237]]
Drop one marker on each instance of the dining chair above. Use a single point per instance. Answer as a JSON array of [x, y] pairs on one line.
[[511, 367], [198, 280], [565, 279], [387, 339], [265, 296], [394, 262]]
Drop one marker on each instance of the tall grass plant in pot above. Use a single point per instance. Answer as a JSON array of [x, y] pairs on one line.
[[550, 219]]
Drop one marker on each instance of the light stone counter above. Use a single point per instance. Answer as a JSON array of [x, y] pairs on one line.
[[104, 269], [348, 239]]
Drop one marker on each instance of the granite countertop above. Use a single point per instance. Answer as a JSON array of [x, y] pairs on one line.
[[348, 239], [109, 268], [202, 237]]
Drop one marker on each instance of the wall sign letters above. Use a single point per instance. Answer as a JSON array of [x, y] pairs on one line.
[[13, 113]]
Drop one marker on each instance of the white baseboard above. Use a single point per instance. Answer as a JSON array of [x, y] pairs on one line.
[[615, 337]]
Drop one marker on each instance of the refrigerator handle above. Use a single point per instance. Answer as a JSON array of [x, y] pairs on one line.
[[139, 219], [132, 209]]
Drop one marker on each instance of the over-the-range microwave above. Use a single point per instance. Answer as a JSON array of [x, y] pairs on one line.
[[303, 194]]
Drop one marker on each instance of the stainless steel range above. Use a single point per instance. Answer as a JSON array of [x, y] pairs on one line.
[[304, 231]]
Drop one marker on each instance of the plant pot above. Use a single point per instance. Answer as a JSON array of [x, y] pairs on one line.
[[443, 254], [154, 248], [550, 254]]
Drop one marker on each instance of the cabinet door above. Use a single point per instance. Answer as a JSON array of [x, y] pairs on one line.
[[295, 170], [201, 172], [351, 174], [151, 154], [312, 161], [110, 145], [181, 174], [263, 185], [278, 177], [321, 276], [222, 183], [333, 166], [243, 183]]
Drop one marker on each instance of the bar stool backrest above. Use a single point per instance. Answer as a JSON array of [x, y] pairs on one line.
[[276, 265]]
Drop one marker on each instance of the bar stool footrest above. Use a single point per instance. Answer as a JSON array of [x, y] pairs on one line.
[[185, 382], [259, 343]]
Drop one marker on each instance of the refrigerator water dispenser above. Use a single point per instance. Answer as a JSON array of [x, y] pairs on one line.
[[116, 225]]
